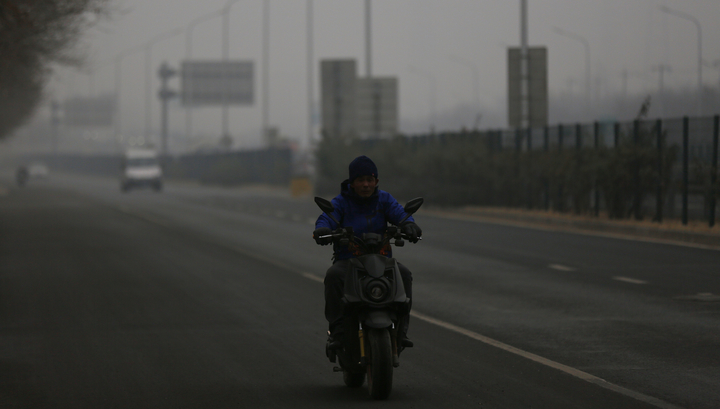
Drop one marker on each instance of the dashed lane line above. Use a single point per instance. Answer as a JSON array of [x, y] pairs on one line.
[[561, 267], [474, 335], [489, 341], [313, 277], [629, 280], [154, 220]]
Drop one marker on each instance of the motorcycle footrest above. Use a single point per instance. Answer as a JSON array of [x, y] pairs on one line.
[[337, 369]]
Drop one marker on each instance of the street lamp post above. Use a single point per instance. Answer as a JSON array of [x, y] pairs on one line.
[[148, 76], [266, 69], [368, 39], [118, 87], [188, 55], [692, 19], [225, 56], [524, 67], [585, 44], [310, 85], [433, 94]]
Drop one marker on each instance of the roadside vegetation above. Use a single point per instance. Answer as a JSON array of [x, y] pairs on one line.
[[34, 36]]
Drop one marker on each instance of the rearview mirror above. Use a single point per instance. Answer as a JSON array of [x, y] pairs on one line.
[[324, 205], [413, 205]]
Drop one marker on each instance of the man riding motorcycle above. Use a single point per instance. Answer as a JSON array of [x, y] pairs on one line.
[[367, 209]]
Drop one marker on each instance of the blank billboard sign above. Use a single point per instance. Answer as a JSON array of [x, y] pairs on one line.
[[89, 111], [537, 87], [212, 83], [377, 106]]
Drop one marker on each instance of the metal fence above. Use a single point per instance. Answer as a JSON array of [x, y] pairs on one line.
[[679, 160]]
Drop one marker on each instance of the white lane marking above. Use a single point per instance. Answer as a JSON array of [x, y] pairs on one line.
[[561, 267], [150, 219], [630, 280], [544, 361], [489, 341], [313, 277]]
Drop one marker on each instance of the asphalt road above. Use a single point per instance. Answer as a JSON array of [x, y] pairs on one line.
[[203, 297]]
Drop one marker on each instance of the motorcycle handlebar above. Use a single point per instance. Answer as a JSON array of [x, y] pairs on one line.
[[340, 235]]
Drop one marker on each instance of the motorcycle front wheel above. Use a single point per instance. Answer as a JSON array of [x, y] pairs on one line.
[[380, 366]]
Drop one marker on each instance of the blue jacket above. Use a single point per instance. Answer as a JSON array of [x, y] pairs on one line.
[[365, 215]]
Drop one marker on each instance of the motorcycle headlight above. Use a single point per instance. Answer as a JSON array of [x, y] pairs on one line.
[[377, 290]]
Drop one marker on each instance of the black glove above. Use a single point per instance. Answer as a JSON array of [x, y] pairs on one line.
[[412, 231], [323, 231]]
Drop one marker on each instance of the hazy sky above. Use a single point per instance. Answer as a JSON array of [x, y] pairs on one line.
[[632, 35]]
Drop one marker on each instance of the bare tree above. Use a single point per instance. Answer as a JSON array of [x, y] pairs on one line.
[[33, 35]]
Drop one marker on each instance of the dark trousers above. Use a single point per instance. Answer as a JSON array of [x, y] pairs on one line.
[[334, 291]]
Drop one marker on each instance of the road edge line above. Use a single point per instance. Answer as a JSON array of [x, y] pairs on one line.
[[547, 362], [569, 230]]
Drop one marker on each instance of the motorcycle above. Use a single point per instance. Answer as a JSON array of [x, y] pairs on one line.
[[374, 298]]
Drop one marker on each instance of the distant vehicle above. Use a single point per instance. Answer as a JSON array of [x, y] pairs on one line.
[[38, 170], [140, 168]]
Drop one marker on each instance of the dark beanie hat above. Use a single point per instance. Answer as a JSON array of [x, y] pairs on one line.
[[362, 166]]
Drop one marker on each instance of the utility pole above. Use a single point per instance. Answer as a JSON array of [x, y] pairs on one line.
[[695, 21], [165, 94], [524, 67], [368, 39], [266, 69], [310, 63]]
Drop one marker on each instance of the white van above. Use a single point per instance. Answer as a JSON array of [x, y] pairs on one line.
[[140, 168]]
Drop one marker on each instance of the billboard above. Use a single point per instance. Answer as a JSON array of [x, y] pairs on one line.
[[89, 111], [212, 83], [537, 87], [338, 81], [377, 106]]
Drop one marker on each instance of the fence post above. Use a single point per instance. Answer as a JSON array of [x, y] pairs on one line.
[[636, 169], [659, 197], [546, 148], [529, 167], [685, 169], [713, 175], [596, 191], [616, 135], [560, 137], [578, 136], [561, 184]]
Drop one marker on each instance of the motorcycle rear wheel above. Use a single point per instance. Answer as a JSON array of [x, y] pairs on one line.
[[353, 379], [380, 367]]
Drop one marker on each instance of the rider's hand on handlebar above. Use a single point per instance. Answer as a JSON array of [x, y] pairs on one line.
[[323, 231], [412, 231]]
